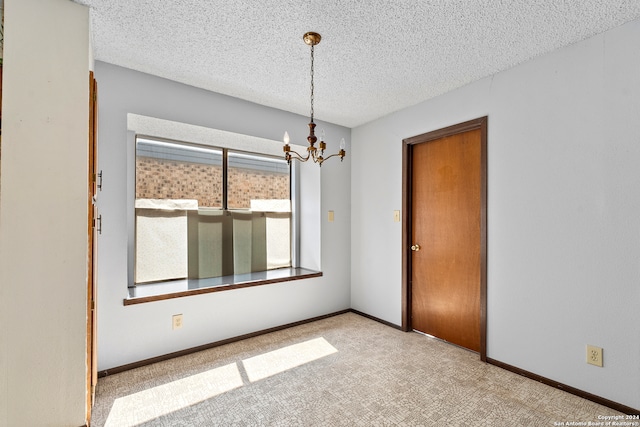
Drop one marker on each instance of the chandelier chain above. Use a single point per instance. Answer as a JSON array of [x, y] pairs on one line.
[[312, 84]]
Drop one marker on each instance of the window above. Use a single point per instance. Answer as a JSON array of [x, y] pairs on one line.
[[204, 212]]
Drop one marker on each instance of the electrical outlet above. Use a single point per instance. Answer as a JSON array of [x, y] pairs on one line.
[[177, 321], [594, 355]]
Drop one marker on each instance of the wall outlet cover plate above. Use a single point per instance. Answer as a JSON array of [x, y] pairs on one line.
[[594, 355]]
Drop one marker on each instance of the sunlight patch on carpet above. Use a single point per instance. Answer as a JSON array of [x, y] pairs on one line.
[[280, 360], [155, 402], [146, 405]]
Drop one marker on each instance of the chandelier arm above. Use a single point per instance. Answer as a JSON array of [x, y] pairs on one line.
[[334, 155], [298, 156]]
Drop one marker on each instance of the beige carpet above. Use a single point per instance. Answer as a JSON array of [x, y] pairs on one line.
[[343, 371]]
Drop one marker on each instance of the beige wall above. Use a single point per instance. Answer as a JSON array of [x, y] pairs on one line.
[[43, 213]]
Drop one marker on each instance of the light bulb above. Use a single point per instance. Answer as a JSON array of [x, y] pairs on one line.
[[286, 138], [342, 144], [322, 135]]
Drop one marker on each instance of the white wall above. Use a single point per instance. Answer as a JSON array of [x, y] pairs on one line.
[[137, 332], [43, 213], [563, 203]]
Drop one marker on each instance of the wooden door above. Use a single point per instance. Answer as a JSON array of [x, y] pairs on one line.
[[447, 236], [92, 354]]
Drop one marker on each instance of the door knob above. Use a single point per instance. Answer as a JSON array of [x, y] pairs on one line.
[[415, 247]]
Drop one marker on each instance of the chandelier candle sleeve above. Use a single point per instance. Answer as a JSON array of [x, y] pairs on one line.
[[313, 153]]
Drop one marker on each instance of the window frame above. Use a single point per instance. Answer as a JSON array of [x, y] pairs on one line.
[[294, 272]]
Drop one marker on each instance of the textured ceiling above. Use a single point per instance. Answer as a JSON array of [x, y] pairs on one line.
[[376, 56]]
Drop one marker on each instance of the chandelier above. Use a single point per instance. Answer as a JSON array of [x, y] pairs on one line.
[[314, 153]]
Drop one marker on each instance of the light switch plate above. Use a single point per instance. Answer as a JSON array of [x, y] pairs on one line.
[[330, 216], [396, 216]]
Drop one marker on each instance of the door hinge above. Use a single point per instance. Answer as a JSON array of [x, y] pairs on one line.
[[97, 224]]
